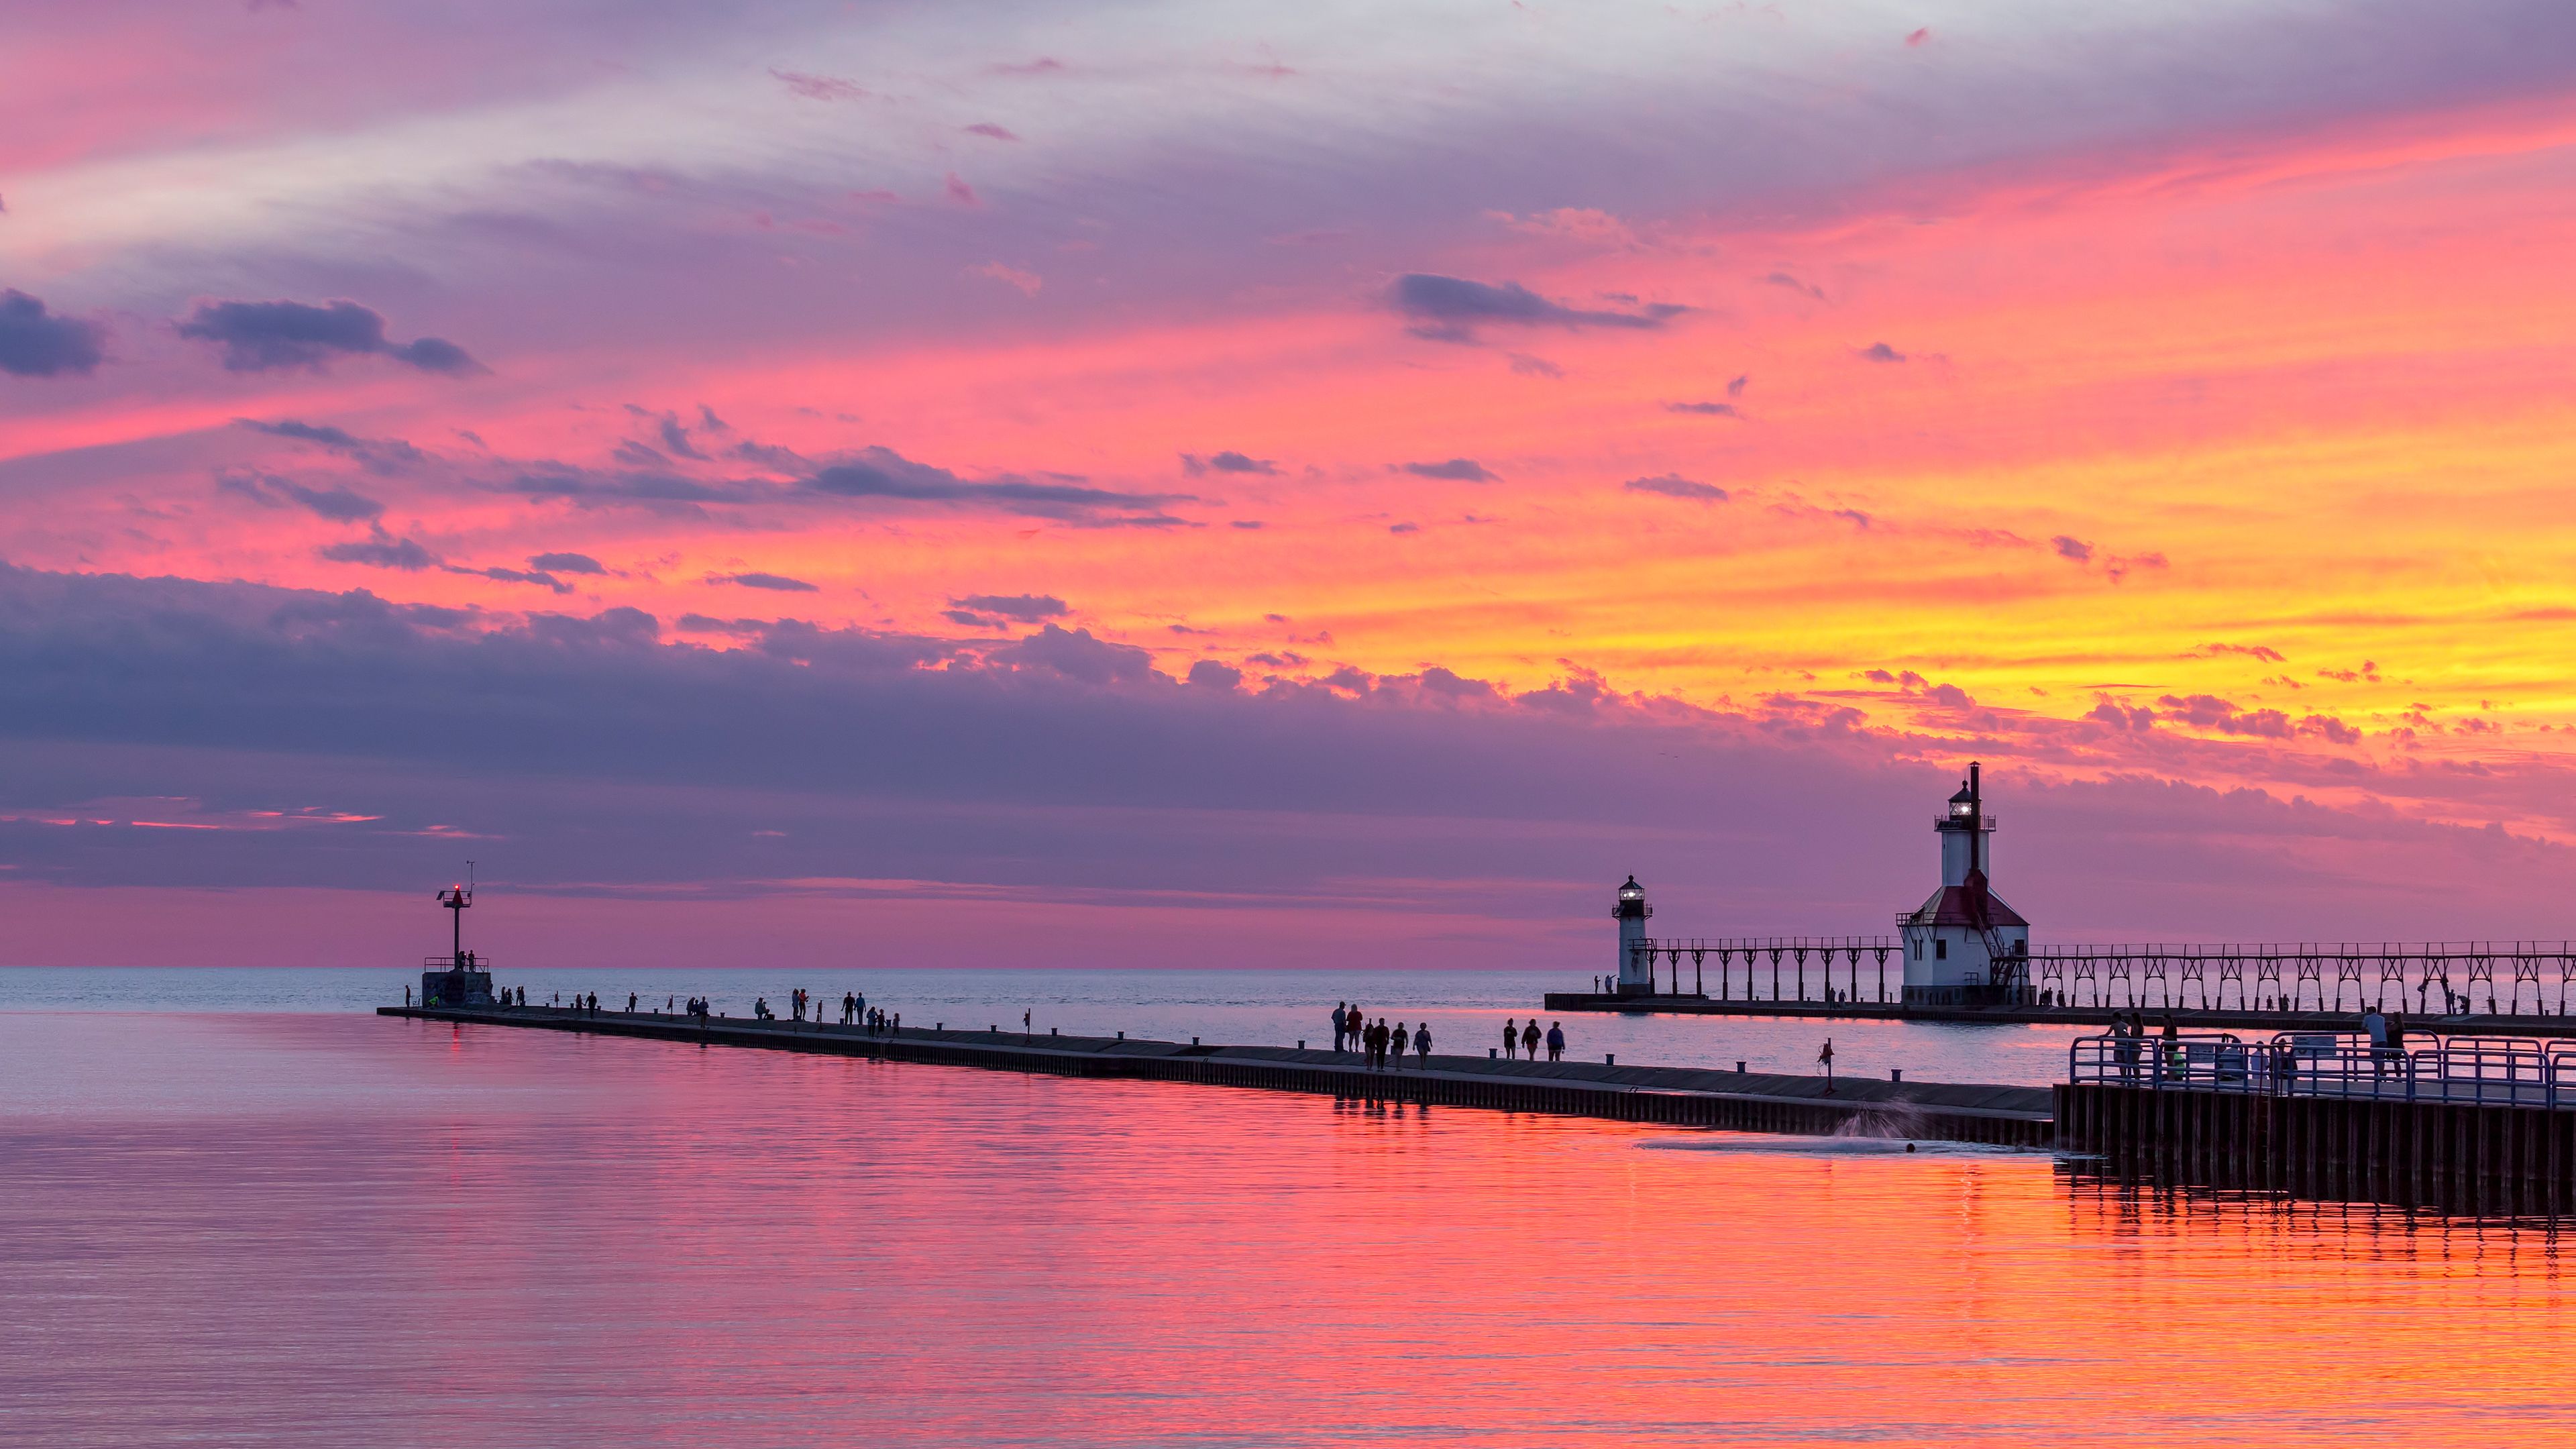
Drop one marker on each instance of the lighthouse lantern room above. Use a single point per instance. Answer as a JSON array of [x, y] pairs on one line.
[[1964, 946]]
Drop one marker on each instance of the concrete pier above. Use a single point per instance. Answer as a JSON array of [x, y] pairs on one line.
[[2000, 1116]]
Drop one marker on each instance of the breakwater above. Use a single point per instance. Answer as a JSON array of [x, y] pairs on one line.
[[2003, 1116]]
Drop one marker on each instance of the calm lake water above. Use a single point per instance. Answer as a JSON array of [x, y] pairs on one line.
[[1466, 1010], [328, 1228]]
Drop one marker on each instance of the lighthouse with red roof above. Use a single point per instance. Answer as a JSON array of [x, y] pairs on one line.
[[1964, 946]]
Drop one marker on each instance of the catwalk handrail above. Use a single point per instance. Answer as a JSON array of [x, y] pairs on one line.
[[2501, 1070], [2148, 951]]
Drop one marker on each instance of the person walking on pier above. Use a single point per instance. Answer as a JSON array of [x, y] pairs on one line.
[[1422, 1044], [630, 1003], [1511, 1038], [2375, 1027], [1529, 1039], [1556, 1042], [1403, 1043], [1825, 1059]]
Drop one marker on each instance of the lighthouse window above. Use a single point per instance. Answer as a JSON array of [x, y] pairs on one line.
[[1940, 950]]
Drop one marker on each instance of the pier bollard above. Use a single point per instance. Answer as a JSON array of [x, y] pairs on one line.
[[1301, 1043], [1739, 1066], [1490, 1054], [1122, 1036], [1194, 1041], [1610, 1059], [1896, 1074]]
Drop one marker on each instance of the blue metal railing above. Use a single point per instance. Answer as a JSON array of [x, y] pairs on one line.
[[2333, 1064]]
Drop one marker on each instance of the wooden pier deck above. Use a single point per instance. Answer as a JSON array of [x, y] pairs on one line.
[[2003, 1116]]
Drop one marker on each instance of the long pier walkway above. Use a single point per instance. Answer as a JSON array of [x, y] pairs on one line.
[[2002, 1116]]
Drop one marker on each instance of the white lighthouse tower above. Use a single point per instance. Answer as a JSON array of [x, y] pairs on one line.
[[1964, 946], [1636, 968]]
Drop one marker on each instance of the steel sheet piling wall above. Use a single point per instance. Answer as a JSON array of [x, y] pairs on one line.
[[2489, 1158]]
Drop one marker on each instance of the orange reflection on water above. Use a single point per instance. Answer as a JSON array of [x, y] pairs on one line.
[[288, 1230]]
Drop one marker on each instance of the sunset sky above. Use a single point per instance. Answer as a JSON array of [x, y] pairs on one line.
[[1224, 484]]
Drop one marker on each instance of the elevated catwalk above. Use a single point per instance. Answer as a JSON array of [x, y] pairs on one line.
[[2519, 987]]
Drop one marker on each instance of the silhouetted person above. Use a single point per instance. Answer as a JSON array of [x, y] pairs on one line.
[[1403, 1043], [1341, 1020], [630, 1003], [1422, 1044], [1556, 1041], [1825, 1059], [1511, 1038], [1529, 1039]]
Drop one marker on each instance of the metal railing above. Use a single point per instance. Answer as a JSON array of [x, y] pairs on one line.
[[2503, 978], [2472, 976], [2498, 1070], [450, 963]]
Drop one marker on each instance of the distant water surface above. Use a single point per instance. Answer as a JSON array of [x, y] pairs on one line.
[[1466, 1010], [336, 1229]]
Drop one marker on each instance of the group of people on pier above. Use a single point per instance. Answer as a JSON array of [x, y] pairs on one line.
[[1352, 1030], [1528, 1039], [1385, 1046]]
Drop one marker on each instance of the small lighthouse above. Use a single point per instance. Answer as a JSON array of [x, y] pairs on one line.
[[1636, 968], [1964, 946]]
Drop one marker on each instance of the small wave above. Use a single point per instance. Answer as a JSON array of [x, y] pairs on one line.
[[1800, 1146]]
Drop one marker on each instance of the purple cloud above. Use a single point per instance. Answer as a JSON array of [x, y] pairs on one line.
[[1461, 470], [37, 343], [263, 336], [1674, 485], [1449, 309]]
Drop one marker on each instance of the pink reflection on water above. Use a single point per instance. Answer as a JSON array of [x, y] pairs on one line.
[[326, 1230]]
